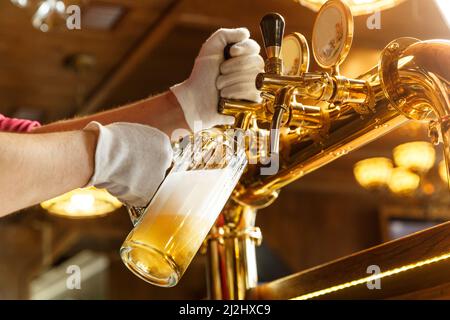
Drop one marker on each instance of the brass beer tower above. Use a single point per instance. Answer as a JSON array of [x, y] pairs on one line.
[[311, 118]]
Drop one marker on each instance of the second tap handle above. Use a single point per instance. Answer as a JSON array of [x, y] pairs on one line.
[[272, 29]]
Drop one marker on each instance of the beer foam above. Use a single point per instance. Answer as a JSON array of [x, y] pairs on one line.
[[193, 192]]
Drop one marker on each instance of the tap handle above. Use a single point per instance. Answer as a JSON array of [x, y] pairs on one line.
[[226, 56], [272, 29]]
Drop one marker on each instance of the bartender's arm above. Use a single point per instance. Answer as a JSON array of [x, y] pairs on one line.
[[35, 168], [162, 111], [193, 103], [129, 160]]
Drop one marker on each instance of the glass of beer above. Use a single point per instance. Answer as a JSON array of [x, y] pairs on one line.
[[171, 230]]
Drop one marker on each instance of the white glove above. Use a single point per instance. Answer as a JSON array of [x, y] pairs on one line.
[[234, 78], [130, 161]]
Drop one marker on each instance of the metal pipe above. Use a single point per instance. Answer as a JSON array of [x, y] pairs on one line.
[[306, 157], [231, 257]]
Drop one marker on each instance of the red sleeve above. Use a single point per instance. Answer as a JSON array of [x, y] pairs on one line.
[[17, 125]]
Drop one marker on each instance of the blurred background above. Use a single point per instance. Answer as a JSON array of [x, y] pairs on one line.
[[127, 50]]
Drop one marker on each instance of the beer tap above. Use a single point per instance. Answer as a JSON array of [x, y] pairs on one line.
[[329, 86], [272, 29]]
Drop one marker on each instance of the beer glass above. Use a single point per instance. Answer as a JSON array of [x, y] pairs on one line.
[[173, 227]]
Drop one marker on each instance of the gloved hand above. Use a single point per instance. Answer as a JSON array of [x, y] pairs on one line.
[[212, 76], [130, 161]]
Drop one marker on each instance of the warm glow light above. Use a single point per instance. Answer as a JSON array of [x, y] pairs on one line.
[[417, 156], [82, 203], [403, 181], [444, 7], [443, 171], [373, 173], [20, 3], [47, 13], [358, 7], [373, 277]]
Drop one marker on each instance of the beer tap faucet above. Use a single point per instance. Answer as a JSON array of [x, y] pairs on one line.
[[328, 87], [272, 29]]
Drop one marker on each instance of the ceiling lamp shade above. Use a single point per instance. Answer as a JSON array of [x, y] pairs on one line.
[[358, 7], [82, 203], [373, 173], [403, 182], [417, 156]]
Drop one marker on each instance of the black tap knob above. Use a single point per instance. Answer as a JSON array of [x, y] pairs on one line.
[[272, 29]]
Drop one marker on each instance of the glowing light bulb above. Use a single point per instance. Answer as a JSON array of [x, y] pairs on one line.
[[417, 156], [48, 13], [373, 173], [20, 3], [403, 182], [82, 203]]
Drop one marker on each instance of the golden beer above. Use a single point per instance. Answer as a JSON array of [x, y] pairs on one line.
[[172, 230]]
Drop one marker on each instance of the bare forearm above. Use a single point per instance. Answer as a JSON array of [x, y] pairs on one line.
[[162, 112], [34, 168]]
